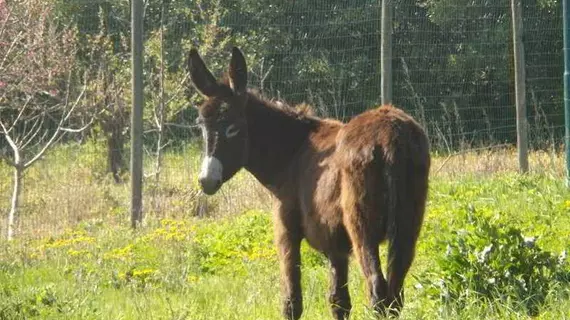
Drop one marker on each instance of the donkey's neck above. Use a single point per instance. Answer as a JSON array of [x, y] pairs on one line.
[[275, 136]]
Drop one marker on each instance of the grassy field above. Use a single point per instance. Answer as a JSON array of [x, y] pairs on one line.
[[491, 247]]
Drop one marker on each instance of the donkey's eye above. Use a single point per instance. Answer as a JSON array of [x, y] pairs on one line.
[[231, 131]]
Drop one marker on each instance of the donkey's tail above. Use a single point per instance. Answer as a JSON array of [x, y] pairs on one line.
[[406, 175]]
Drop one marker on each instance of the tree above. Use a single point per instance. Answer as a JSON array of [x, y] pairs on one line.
[[38, 95], [103, 55], [108, 93]]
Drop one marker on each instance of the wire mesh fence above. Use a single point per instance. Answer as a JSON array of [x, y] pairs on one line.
[[452, 70], [456, 71]]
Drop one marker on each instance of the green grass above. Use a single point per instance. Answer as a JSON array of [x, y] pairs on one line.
[[76, 258]]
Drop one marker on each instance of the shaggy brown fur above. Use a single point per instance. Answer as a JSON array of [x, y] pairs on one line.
[[342, 187]]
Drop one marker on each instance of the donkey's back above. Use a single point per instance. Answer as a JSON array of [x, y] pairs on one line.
[[367, 170], [379, 136]]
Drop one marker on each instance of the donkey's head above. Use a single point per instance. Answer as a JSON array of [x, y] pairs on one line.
[[222, 119]]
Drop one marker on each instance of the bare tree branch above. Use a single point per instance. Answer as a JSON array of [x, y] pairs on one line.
[[78, 129], [12, 144], [68, 88], [165, 144], [6, 19], [46, 146], [20, 114], [32, 138], [152, 174], [30, 135], [177, 92], [64, 119], [176, 125], [262, 74], [38, 142], [12, 45], [156, 120], [57, 132], [264, 77], [6, 92]]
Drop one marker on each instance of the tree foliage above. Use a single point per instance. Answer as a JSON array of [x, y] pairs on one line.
[[452, 62]]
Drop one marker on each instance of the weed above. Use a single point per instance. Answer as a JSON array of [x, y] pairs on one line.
[[497, 263]]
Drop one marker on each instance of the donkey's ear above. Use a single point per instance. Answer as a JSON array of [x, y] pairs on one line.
[[202, 78], [238, 72]]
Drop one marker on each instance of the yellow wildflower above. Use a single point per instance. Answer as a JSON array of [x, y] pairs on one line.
[[67, 242], [170, 229], [143, 272], [120, 253], [192, 278], [76, 253]]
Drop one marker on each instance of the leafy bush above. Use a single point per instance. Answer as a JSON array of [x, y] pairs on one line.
[[495, 262]]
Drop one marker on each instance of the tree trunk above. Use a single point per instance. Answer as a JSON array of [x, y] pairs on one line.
[[113, 126], [115, 150], [18, 179]]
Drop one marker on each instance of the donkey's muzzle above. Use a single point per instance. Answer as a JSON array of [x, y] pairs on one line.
[[210, 177], [210, 186]]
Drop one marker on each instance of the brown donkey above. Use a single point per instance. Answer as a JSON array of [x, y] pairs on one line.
[[342, 187]]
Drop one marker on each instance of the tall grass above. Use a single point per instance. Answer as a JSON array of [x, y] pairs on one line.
[[213, 258], [70, 185]]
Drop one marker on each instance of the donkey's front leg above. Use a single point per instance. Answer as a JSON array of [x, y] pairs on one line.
[[288, 242]]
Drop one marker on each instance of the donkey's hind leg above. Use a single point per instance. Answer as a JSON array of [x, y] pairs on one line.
[[365, 232], [339, 297], [366, 252], [400, 257], [409, 215]]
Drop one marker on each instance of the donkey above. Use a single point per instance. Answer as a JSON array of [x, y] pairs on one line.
[[344, 187]]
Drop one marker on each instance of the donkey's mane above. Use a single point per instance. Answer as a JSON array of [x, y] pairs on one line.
[[302, 110]]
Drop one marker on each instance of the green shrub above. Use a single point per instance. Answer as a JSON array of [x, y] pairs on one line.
[[491, 262]]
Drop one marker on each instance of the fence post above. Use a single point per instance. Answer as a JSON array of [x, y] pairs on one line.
[[137, 111], [520, 85], [386, 52], [566, 19]]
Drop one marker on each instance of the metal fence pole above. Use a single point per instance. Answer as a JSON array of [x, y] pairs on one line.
[[566, 19], [520, 85], [386, 52], [137, 111]]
